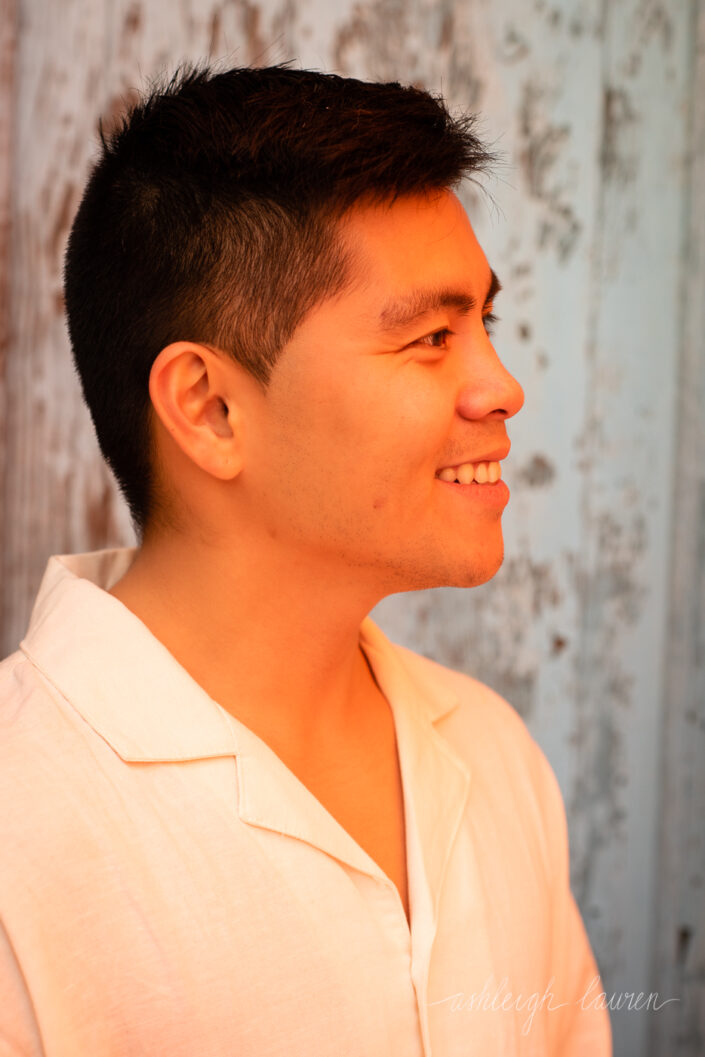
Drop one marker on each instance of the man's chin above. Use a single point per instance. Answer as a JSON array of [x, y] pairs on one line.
[[477, 575], [471, 573], [476, 569]]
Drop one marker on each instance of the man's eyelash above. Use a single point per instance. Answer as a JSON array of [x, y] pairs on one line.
[[489, 320], [443, 332]]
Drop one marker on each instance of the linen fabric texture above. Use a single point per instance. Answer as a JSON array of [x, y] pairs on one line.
[[169, 886]]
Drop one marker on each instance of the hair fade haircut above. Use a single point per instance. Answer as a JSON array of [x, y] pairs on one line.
[[210, 216]]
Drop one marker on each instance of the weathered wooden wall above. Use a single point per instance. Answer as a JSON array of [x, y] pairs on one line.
[[593, 628]]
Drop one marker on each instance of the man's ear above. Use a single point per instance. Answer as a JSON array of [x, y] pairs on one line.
[[192, 389]]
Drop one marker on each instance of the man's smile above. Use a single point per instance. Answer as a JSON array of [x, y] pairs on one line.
[[467, 472]]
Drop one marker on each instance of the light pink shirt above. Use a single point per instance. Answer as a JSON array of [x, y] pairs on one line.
[[169, 887]]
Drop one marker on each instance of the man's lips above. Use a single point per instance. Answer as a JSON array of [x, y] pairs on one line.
[[496, 455]]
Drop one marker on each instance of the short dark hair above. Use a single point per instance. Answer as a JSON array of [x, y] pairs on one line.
[[211, 214]]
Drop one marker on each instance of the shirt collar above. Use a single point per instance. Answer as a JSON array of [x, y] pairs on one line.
[[115, 673], [127, 686]]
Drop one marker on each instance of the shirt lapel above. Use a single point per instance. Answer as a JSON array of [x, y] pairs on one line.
[[436, 784], [435, 779], [113, 671], [123, 682]]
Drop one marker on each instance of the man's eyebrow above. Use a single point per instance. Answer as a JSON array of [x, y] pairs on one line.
[[404, 312], [494, 287]]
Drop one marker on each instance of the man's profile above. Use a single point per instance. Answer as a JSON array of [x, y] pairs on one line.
[[241, 820]]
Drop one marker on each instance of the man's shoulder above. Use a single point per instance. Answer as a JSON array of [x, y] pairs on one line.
[[32, 756], [478, 705], [17, 684], [27, 705], [42, 737]]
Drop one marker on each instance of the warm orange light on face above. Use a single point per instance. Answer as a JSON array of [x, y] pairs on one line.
[[358, 419]]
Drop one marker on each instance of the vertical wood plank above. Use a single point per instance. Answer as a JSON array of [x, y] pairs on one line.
[[679, 950], [572, 629], [8, 43], [628, 445], [58, 495]]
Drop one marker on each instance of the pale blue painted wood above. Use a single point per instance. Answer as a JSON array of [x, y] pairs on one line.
[[594, 106], [574, 629], [679, 951]]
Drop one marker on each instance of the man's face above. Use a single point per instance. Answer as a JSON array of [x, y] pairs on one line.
[[379, 390]]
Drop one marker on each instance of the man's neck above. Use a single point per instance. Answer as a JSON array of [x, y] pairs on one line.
[[274, 643]]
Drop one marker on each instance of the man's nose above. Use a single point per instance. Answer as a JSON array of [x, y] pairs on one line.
[[487, 388]]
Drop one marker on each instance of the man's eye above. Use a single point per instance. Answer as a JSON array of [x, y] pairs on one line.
[[437, 340]]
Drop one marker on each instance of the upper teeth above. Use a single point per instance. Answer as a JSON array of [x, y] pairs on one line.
[[480, 472]]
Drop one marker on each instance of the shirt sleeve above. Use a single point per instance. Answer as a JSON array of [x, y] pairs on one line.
[[578, 1018], [19, 1034]]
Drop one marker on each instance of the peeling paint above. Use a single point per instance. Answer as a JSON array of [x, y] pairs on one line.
[[541, 144], [542, 140], [501, 646], [616, 580], [684, 938], [558, 644], [431, 46], [618, 158], [654, 22], [445, 39], [133, 20], [130, 30], [216, 28], [561, 229], [537, 473], [250, 19], [514, 46]]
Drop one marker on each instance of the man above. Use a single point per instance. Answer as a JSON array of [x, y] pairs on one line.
[[240, 820]]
